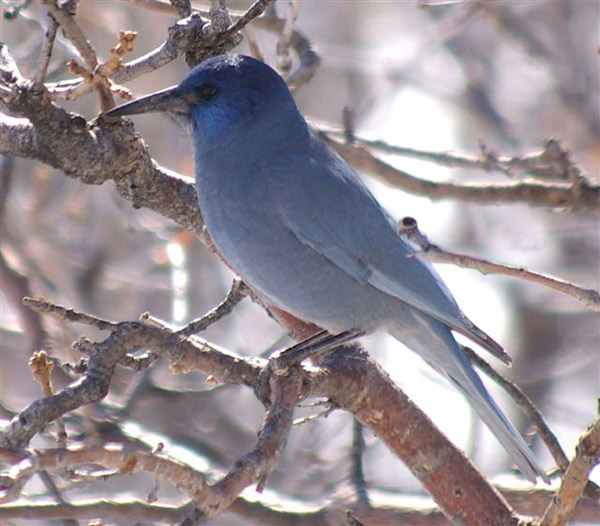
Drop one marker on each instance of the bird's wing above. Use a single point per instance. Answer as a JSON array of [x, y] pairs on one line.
[[327, 207]]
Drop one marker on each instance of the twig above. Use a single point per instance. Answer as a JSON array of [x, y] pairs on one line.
[[587, 455], [268, 511], [179, 38], [56, 494], [302, 46], [255, 10], [46, 51], [62, 313], [284, 63], [330, 407], [357, 474], [184, 37], [15, 286], [534, 415], [552, 162], [210, 499], [73, 33], [127, 337], [98, 78], [409, 229], [112, 511], [347, 376], [237, 293], [583, 197]]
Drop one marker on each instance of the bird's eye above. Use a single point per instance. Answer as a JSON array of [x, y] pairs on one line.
[[205, 92]]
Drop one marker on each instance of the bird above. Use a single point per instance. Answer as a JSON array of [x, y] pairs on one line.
[[301, 228]]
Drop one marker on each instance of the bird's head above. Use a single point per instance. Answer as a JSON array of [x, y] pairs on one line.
[[223, 98]]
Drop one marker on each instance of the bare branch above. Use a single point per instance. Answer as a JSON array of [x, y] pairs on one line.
[[255, 10], [409, 229], [61, 313], [46, 51], [552, 162], [443, 470], [236, 294], [210, 500], [348, 377], [15, 285], [72, 31], [587, 456], [110, 510], [357, 474], [384, 509], [581, 197], [186, 355]]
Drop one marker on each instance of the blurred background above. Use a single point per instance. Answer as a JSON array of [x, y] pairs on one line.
[[427, 75]]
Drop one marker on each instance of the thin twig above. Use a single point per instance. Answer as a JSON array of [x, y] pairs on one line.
[[210, 499], [73, 33], [62, 313], [237, 293], [552, 162], [55, 492], [409, 229], [255, 10], [46, 51], [284, 62], [357, 474], [16, 285]]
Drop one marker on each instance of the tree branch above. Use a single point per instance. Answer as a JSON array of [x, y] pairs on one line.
[[587, 456], [409, 229], [580, 196], [348, 377]]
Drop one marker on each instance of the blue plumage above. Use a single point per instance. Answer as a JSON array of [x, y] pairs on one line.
[[296, 222]]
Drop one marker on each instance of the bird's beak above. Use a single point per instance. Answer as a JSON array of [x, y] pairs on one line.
[[169, 100]]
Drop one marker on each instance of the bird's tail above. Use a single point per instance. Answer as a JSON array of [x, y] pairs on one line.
[[472, 387], [434, 342]]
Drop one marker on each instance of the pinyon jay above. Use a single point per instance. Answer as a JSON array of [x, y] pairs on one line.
[[292, 219]]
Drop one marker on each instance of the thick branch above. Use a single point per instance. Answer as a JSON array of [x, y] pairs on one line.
[[357, 384], [384, 509], [95, 153]]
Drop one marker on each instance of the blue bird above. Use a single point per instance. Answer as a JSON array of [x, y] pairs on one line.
[[292, 219]]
